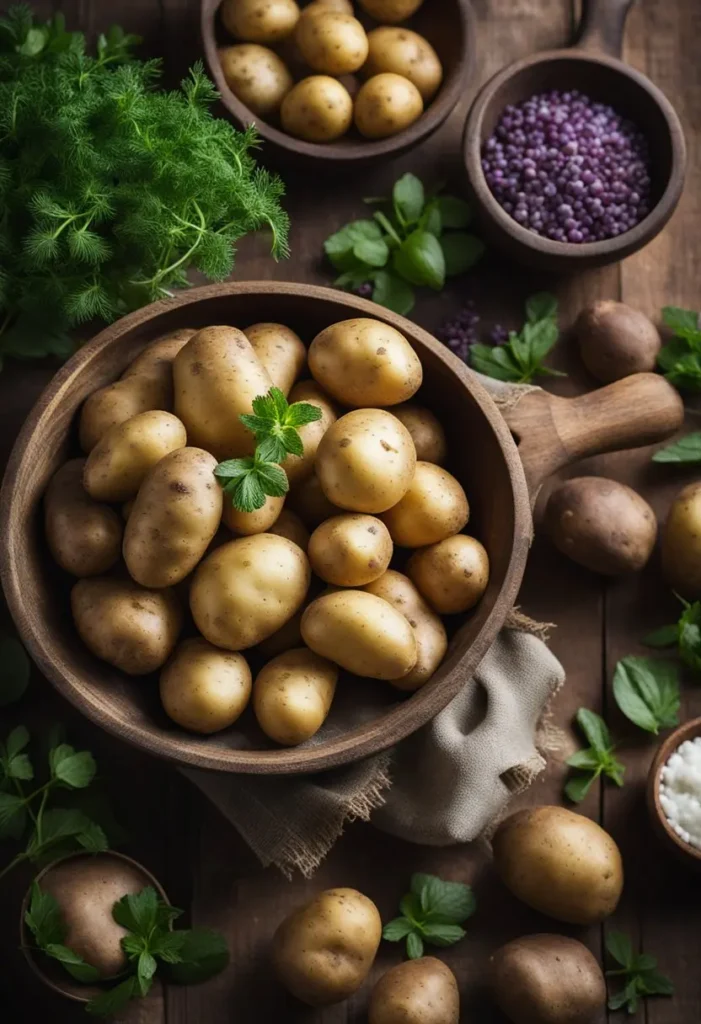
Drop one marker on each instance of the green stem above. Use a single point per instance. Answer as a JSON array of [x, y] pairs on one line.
[[13, 864], [157, 278], [20, 793], [40, 814]]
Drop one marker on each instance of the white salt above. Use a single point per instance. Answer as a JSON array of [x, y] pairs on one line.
[[680, 791]]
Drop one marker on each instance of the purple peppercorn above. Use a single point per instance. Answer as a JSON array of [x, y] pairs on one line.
[[365, 290]]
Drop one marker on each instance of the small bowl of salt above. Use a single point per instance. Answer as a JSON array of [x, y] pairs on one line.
[[674, 790]]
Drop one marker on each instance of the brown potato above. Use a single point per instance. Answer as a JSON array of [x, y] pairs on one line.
[[84, 537], [299, 467], [203, 688], [616, 340], [288, 524], [385, 105], [560, 863], [434, 507], [292, 695], [317, 109], [547, 979], [390, 12], [350, 550], [130, 627], [601, 524], [310, 503], [259, 21], [426, 432], [681, 543], [261, 520], [114, 404], [451, 575], [256, 76], [281, 351], [156, 360], [422, 991], [331, 42], [406, 53]]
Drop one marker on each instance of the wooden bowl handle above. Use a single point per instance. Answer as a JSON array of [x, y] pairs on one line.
[[553, 432], [602, 26]]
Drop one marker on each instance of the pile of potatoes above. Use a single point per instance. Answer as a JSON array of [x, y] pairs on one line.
[[144, 524], [309, 81]]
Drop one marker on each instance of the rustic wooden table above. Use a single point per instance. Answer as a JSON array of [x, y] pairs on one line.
[[205, 867]]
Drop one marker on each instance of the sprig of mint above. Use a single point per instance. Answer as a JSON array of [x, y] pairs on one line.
[[520, 359], [647, 692], [14, 671], [432, 912], [415, 240], [685, 451], [26, 817], [639, 972], [189, 956], [685, 633], [680, 357], [597, 759], [275, 424]]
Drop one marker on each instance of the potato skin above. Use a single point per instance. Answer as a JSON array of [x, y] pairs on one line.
[[123, 457], [361, 633], [434, 507], [350, 550], [256, 76], [246, 590], [363, 362], [258, 22], [324, 950], [426, 432], [406, 53], [115, 403], [261, 520], [130, 627], [366, 461], [281, 351], [560, 863], [318, 109], [176, 514], [601, 524], [292, 695], [429, 631], [203, 688], [288, 524], [217, 375], [84, 537], [390, 12], [310, 503], [331, 42], [547, 979], [344, 6], [156, 360], [299, 467], [616, 340], [451, 575], [385, 105], [681, 543], [422, 991]]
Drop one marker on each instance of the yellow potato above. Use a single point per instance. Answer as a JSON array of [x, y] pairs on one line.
[[390, 11], [331, 42], [245, 524], [429, 631], [156, 360], [422, 991], [217, 375], [204, 688], [434, 507], [406, 53], [323, 951], [317, 109], [280, 350], [366, 461], [132, 628], [114, 404], [426, 432], [292, 695], [175, 516], [85, 538], [288, 524], [452, 575], [310, 503], [350, 550], [361, 633], [681, 543], [344, 6], [118, 464], [298, 467], [246, 590], [256, 76], [385, 105], [259, 21], [363, 362]]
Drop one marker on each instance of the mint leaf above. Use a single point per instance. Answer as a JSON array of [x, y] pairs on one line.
[[14, 671], [408, 198], [273, 479], [420, 260], [92, 838], [495, 362], [396, 930], [639, 972], [685, 451], [460, 252], [392, 292], [43, 918], [452, 902], [665, 636], [373, 252], [203, 954], [680, 319], [113, 999], [584, 759], [301, 413], [137, 912], [74, 770], [414, 946], [339, 246], [455, 213], [248, 494], [595, 729], [76, 966], [443, 935], [647, 692]]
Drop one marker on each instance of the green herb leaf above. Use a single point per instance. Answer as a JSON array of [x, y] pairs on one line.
[[595, 730], [584, 759], [680, 358], [168, 946], [114, 999], [43, 918], [680, 319], [57, 824], [647, 692], [452, 902], [665, 636], [689, 636], [438, 934], [408, 198], [420, 261], [10, 805], [13, 763], [92, 838], [655, 984], [639, 972], [542, 306], [454, 212], [339, 246], [460, 252], [300, 413], [414, 946], [521, 358], [430, 219], [393, 293], [203, 953], [598, 759], [145, 970], [620, 948], [74, 770], [577, 787], [14, 670], [396, 930], [432, 912], [76, 966], [371, 252], [686, 450], [137, 912], [497, 362]]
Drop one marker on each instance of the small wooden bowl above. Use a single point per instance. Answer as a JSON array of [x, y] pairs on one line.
[[450, 30], [49, 971], [688, 731], [594, 67]]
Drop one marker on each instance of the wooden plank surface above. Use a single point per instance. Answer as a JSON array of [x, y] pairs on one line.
[[205, 867]]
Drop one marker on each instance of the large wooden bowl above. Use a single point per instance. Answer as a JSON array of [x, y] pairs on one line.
[[451, 31], [483, 456]]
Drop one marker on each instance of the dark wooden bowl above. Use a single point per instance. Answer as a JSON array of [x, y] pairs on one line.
[[687, 731], [450, 30], [592, 66]]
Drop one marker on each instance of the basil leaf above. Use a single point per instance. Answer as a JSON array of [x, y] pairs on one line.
[[454, 212], [397, 929], [665, 636], [460, 252], [494, 362], [686, 450], [392, 292], [373, 252], [584, 759], [14, 670], [408, 197], [420, 261], [647, 692], [595, 729], [578, 786], [414, 946]]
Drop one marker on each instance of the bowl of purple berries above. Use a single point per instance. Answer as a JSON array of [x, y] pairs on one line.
[[574, 159]]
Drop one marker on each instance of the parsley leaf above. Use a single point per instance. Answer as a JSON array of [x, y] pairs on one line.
[[73, 770], [647, 692], [43, 918], [76, 966], [686, 450], [680, 357], [521, 358], [137, 911], [598, 759], [686, 634], [639, 972], [432, 912]]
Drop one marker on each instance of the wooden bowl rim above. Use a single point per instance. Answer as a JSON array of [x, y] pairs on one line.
[[24, 946], [687, 731], [363, 740], [572, 252], [349, 151]]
